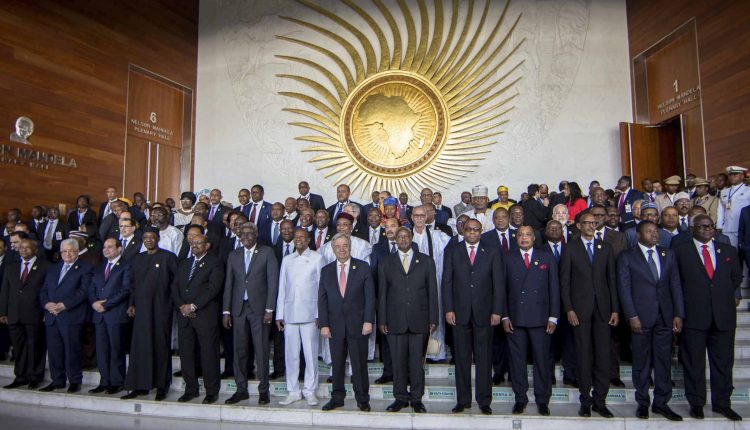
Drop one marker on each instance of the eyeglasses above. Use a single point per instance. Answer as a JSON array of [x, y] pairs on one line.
[[704, 227], [588, 222], [477, 229]]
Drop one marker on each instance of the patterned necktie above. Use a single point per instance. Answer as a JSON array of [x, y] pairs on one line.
[[342, 280], [504, 242], [48, 236], [526, 260], [393, 247], [319, 240], [286, 251], [107, 271], [124, 243], [557, 252], [683, 224], [599, 235], [652, 265], [374, 236], [622, 201], [338, 211], [192, 269], [405, 263], [275, 232], [590, 252], [212, 213], [472, 254], [25, 273], [708, 263]]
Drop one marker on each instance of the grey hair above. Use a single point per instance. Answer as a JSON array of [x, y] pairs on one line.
[[338, 236], [251, 226], [354, 208], [70, 242]]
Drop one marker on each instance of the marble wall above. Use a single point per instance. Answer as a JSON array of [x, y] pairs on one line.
[[575, 89]]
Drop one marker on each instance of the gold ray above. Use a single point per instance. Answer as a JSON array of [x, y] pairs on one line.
[[359, 67], [471, 132], [333, 116], [355, 181], [320, 139], [455, 147], [340, 90], [448, 40], [469, 168], [337, 150], [336, 59], [451, 101], [459, 44], [329, 164], [330, 157], [385, 55], [332, 126], [317, 128], [372, 66], [474, 138], [423, 36], [343, 166], [445, 175], [410, 36], [396, 58], [437, 39], [320, 89], [481, 121], [459, 86], [469, 48], [340, 178], [468, 107]]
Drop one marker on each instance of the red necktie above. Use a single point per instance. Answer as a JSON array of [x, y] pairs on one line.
[[472, 254], [319, 240], [622, 200], [504, 242], [526, 260], [252, 214], [708, 263], [107, 270], [25, 273], [342, 280]]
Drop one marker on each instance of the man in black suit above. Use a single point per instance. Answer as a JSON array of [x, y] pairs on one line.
[[82, 214], [196, 293], [316, 201], [711, 274], [110, 223], [518, 218], [625, 201], [51, 233], [108, 294], [342, 199], [346, 310], [130, 242], [651, 297], [244, 198], [250, 293], [216, 211], [375, 233], [589, 296], [404, 209], [437, 200], [322, 233], [20, 310], [535, 213], [106, 207], [408, 313], [374, 204], [431, 215], [473, 312], [532, 307]]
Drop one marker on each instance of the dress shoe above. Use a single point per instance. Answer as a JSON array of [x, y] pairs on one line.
[[178, 374], [51, 387], [210, 399], [553, 380], [99, 389], [697, 412], [617, 382], [727, 412], [666, 412], [603, 411], [74, 388], [397, 406], [543, 409], [114, 390], [186, 397], [236, 398], [227, 374], [312, 400], [329, 379], [33, 385], [418, 407], [291, 398], [364, 407], [15, 384], [161, 395], [486, 410], [584, 411], [264, 399], [276, 375], [331, 405], [497, 379], [132, 395], [459, 408], [571, 382], [384, 380], [642, 412], [518, 408]]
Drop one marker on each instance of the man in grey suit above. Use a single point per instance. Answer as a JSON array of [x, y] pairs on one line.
[[250, 288]]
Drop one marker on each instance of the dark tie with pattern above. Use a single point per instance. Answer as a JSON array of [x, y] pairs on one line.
[[652, 265]]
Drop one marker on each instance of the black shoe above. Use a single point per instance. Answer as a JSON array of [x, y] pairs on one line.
[[460, 408], [642, 412], [74, 388], [99, 389], [518, 408], [51, 387], [236, 398], [210, 399], [331, 405], [617, 383], [329, 379], [264, 399], [276, 375], [697, 412], [186, 398], [161, 395], [132, 395], [543, 409], [418, 407], [571, 382], [553, 380], [227, 374], [384, 380], [603, 411], [497, 379], [584, 411], [486, 410], [364, 407], [33, 385], [177, 374], [397, 406], [666, 412], [727, 412], [15, 384], [114, 390]]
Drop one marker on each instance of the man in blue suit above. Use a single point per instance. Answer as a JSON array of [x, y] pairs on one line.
[[531, 308], [64, 299], [648, 213], [651, 296], [260, 210], [743, 235], [108, 295], [625, 201]]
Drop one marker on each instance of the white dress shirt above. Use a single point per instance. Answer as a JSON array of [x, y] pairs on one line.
[[361, 249], [299, 277], [170, 239], [407, 255], [655, 256], [711, 251], [23, 262]]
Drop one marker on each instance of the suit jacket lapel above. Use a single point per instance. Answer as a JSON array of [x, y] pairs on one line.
[[662, 262]]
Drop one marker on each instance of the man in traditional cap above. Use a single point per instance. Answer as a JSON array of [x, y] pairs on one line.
[[682, 204], [704, 198], [671, 185], [481, 212], [732, 199]]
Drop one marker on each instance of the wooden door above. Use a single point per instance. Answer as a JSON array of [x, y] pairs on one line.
[[654, 152]]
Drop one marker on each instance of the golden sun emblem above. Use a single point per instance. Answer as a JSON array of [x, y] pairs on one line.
[[406, 117]]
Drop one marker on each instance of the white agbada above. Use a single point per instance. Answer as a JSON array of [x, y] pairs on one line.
[[439, 242], [484, 217]]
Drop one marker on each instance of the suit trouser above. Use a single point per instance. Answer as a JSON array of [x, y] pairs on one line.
[[518, 346], [408, 354], [246, 325], [385, 354], [472, 341], [500, 360], [5, 340], [110, 353], [307, 336], [652, 350], [593, 343], [279, 361], [207, 337], [227, 342], [357, 347], [28, 351], [563, 337], [64, 352], [720, 345]]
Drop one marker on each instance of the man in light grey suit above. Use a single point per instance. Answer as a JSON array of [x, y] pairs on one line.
[[250, 288]]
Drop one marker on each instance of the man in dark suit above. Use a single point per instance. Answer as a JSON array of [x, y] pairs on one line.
[[359, 227], [374, 204], [687, 235], [316, 201], [589, 296], [250, 293], [64, 299], [216, 210], [711, 274], [322, 233], [20, 310], [342, 199], [473, 312], [408, 313], [260, 211], [346, 312], [743, 235], [625, 201], [284, 246], [375, 233], [110, 223], [244, 198], [431, 220], [437, 200], [531, 310], [108, 294], [106, 207], [130, 242], [196, 291], [404, 209], [651, 296], [82, 214], [51, 233], [535, 213], [4, 335]]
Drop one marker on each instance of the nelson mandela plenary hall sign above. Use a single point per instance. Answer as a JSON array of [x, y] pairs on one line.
[[20, 152]]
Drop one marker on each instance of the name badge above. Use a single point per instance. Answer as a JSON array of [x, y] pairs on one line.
[[58, 235], [628, 209]]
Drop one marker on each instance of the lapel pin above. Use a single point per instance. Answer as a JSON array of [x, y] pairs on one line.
[[256, 251], [75, 267], [117, 264], [718, 251], [200, 265], [157, 264], [598, 247], [354, 267], [33, 268], [663, 254], [416, 261], [536, 263]]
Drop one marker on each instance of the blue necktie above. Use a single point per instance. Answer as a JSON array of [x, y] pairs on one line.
[[248, 255], [192, 269], [275, 232], [652, 265], [286, 250], [393, 247], [590, 251], [557, 253]]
